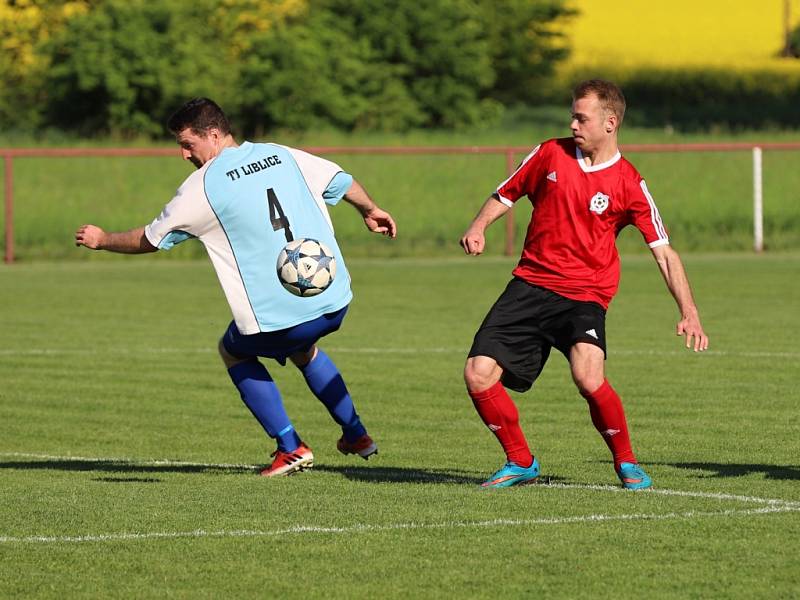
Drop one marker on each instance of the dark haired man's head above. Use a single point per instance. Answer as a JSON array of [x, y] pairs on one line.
[[201, 129], [200, 115]]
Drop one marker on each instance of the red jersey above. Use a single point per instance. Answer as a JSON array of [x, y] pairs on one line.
[[578, 210]]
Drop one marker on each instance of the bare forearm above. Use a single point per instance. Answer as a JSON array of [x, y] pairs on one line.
[[376, 219], [675, 276], [671, 267], [473, 241], [125, 242], [358, 197], [491, 210], [128, 242]]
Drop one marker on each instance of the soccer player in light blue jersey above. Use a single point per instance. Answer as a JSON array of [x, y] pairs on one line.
[[244, 203]]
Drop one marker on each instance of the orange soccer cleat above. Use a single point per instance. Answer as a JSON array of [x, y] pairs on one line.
[[286, 463], [363, 446]]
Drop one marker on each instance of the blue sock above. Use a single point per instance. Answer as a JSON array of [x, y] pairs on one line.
[[325, 381], [262, 397]]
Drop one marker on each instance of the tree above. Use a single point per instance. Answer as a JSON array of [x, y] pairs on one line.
[[526, 42], [793, 43], [24, 24], [436, 52], [124, 66]]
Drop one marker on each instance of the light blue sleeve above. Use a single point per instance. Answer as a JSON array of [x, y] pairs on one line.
[[173, 238], [337, 188]]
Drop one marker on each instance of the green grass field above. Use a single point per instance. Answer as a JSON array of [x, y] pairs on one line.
[[127, 458]]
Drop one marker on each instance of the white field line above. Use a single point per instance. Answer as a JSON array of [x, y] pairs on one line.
[[794, 505], [770, 506], [365, 528], [425, 350]]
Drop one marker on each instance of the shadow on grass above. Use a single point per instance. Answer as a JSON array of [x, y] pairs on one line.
[[127, 479], [409, 475], [121, 466], [125, 471], [401, 474], [787, 472]]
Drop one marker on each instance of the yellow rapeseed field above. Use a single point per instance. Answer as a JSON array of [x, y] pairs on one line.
[[746, 34]]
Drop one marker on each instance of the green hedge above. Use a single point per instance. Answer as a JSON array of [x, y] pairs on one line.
[[695, 98], [122, 66]]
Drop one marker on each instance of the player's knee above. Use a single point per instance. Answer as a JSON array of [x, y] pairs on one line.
[[226, 357], [587, 364], [301, 359], [480, 375], [588, 382]]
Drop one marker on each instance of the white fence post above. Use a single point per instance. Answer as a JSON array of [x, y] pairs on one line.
[[758, 202]]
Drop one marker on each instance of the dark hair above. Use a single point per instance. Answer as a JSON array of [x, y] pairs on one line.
[[609, 95], [199, 115]]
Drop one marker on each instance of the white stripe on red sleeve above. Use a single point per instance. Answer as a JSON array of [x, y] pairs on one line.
[[501, 197], [655, 217]]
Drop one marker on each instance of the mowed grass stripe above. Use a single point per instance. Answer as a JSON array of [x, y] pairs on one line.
[[243, 467], [301, 529], [773, 506], [146, 351]]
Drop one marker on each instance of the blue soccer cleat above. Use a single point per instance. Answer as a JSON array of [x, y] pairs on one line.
[[512, 474], [633, 476]]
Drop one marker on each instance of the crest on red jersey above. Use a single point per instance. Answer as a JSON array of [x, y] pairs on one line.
[[599, 203]]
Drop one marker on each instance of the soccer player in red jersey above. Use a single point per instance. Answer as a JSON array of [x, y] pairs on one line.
[[583, 193]]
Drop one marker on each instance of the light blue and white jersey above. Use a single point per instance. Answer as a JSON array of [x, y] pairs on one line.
[[244, 206]]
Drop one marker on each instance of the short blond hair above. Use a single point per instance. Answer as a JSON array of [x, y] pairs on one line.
[[610, 96]]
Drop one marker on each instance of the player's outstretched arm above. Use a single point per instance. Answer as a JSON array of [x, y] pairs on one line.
[[376, 219], [126, 242], [675, 276], [474, 240]]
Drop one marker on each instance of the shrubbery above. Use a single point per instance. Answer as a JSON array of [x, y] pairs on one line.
[[695, 98], [121, 66], [793, 43]]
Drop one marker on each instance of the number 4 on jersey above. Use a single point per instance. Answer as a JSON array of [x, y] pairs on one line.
[[276, 215]]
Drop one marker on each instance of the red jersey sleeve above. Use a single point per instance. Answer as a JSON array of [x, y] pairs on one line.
[[644, 215], [522, 181]]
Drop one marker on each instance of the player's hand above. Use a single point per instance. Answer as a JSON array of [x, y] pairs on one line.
[[90, 236], [689, 326], [380, 221], [473, 241]]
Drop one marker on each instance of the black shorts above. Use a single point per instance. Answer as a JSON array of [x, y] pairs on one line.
[[526, 321]]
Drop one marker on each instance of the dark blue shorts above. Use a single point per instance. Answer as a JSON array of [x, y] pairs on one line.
[[282, 343]]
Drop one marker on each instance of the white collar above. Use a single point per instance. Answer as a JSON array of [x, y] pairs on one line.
[[605, 165]]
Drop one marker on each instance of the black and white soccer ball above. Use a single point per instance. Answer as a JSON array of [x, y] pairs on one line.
[[306, 267]]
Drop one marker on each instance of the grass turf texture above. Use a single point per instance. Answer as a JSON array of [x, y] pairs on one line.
[[112, 364]]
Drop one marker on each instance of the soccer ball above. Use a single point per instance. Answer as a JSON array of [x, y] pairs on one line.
[[306, 267]]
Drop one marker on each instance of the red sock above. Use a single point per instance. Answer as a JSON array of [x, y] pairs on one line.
[[608, 417], [500, 415]]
